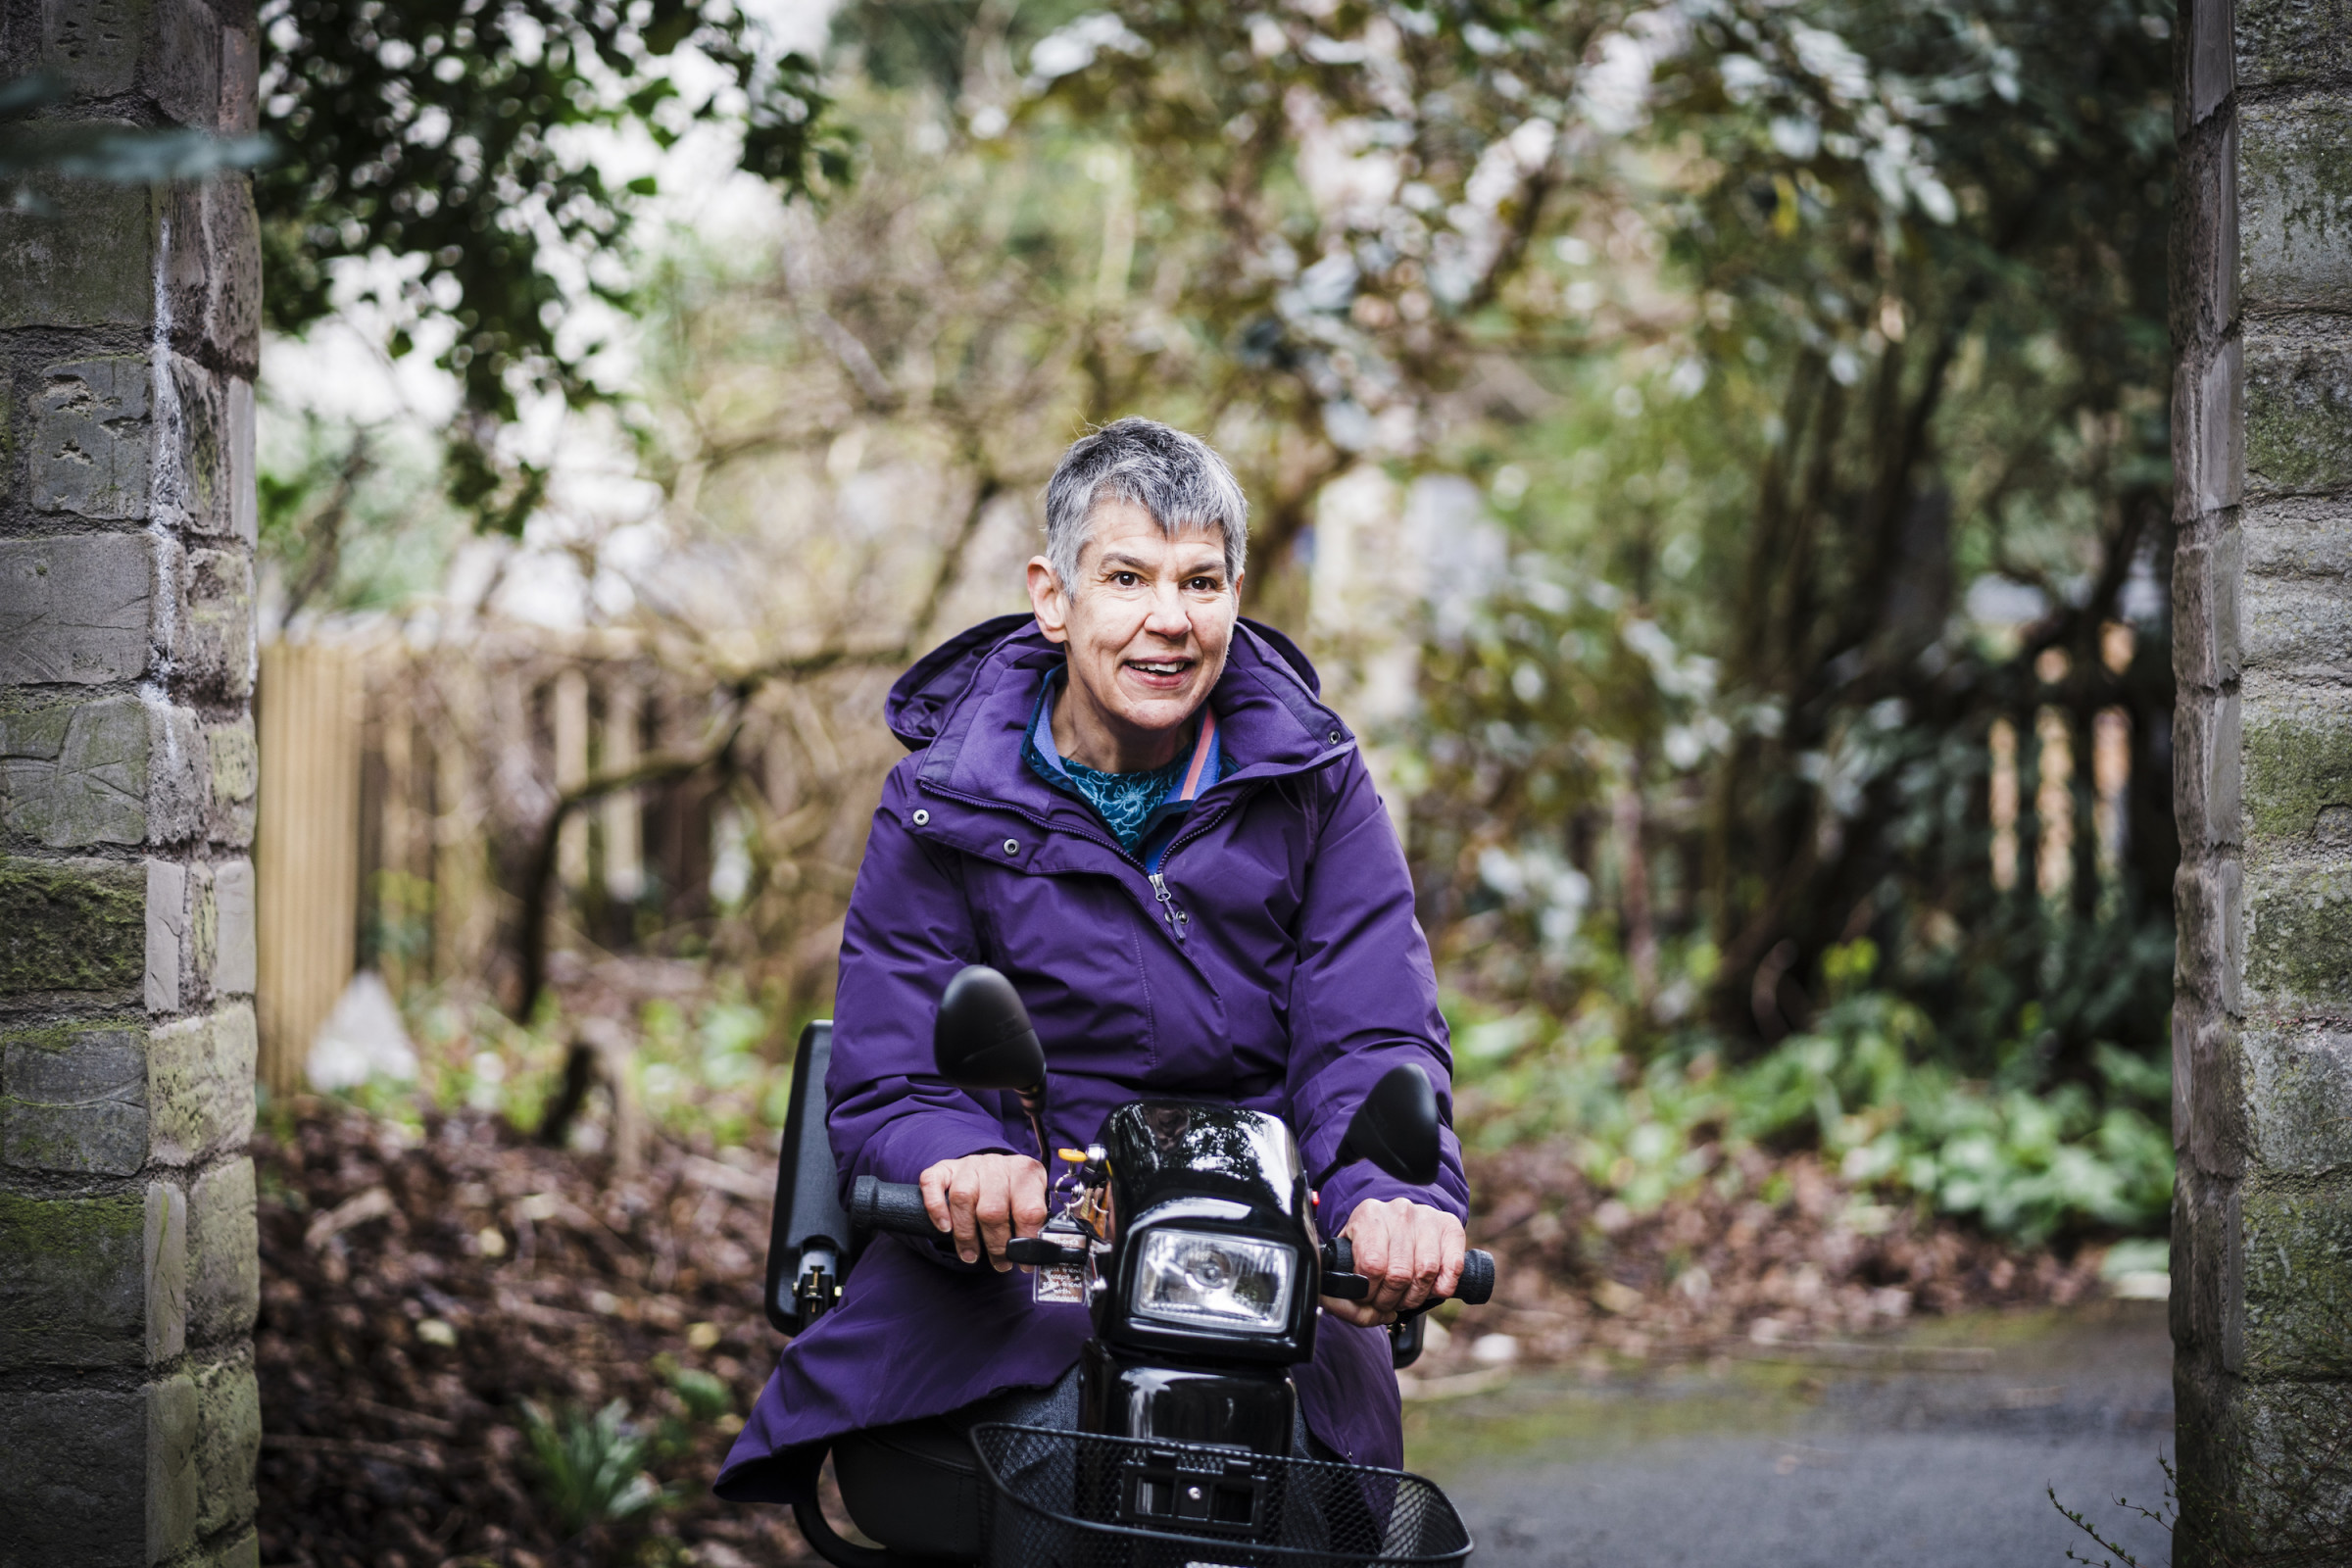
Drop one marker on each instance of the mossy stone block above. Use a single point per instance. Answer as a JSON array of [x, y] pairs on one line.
[[2299, 938], [75, 610], [75, 1460], [228, 1443], [224, 1289], [2249, 1492], [2298, 764], [216, 650], [2292, 40], [2299, 413], [236, 952], [2296, 1247], [73, 1279], [73, 1097], [93, 438], [2295, 628], [71, 926], [90, 265], [174, 1432], [235, 764], [2295, 203], [199, 1081], [73, 776], [2297, 1088], [195, 457]]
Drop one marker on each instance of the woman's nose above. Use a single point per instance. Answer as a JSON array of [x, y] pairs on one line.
[[1167, 617]]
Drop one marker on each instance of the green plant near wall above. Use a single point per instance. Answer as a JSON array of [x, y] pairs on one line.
[[590, 1469]]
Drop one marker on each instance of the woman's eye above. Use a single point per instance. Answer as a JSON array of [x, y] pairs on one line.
[[1124, 579]]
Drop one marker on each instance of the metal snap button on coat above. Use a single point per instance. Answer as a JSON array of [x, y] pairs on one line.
[[920, 817], [1012, 846], [1334, 737]]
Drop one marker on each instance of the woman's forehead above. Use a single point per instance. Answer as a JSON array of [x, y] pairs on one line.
[[1126, 529]]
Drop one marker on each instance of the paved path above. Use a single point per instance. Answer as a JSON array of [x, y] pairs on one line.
[[1932, 1452]]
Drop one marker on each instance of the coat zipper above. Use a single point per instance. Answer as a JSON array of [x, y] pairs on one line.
[[1193, 827], [1177, 918]]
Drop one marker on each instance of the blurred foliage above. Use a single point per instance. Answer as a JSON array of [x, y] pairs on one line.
[[441, 158], [1862, 1085], [348, 513], [1772, 330], [590, 1468], [1773, 396]]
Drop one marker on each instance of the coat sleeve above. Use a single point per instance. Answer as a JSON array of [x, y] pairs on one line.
[[907, 933], [1363, 998]]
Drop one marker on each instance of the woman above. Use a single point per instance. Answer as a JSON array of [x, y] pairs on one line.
[[1131, 803]]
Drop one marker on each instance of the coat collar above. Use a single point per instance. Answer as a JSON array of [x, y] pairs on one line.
[[969, 703]]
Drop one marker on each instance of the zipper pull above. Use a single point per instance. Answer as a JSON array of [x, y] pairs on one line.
[[1177, 918]]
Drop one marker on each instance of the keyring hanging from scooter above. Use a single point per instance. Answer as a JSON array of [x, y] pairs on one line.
[[1058, 1252]]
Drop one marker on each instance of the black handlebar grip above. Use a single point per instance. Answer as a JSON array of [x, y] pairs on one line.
[[880, 1205], [1477, 1284]]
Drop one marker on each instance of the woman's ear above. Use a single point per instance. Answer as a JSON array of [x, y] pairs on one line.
[[1048, 601]]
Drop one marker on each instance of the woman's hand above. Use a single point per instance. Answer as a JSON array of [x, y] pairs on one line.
[[989, 1199], [1408, 1250]]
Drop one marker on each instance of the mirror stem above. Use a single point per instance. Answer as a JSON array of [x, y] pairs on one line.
[[1033, 1103]]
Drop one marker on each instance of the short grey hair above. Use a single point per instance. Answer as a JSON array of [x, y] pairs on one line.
[[1176, 478]]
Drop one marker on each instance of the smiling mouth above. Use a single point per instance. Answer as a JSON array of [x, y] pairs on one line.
[[1161, 672]]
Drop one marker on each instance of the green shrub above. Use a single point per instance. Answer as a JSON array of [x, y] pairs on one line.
[[1863, 1086]]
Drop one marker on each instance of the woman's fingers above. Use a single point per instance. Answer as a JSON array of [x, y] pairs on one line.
[[964, 1203], [984, 1201], [1410, 1251], [1029, 1207], [934, 1181], [1455, 1250]]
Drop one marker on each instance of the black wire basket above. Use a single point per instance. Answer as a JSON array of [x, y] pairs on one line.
[[1066, 1499]]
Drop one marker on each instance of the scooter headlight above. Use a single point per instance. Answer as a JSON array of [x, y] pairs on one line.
[[1214, 1282]]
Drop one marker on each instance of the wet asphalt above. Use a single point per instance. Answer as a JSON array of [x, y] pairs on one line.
[[1936, 1449]]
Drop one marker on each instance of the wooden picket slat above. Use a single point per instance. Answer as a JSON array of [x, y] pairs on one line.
[[307, 849]]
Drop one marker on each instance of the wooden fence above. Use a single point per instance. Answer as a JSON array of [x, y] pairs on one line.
[[307, 853], [405, 785]]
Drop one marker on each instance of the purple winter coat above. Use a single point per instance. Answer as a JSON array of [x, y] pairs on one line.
[[1301, 977]]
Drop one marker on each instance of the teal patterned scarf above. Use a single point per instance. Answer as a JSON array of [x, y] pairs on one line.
[[1129, 803]]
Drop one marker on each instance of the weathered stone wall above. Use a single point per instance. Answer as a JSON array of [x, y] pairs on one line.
[[2262, 407], [128, 338]]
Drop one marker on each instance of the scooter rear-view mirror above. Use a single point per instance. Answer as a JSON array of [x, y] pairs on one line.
[[983, 1038], [1397, 1126]]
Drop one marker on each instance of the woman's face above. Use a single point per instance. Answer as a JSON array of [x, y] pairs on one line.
[[1148, 624]]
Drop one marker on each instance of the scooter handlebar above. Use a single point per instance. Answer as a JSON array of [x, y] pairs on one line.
[[1477, 1285], [1342, 1282], [880, 1205]]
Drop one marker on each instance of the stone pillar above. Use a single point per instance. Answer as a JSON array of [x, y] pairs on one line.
[[128, 339], [2262, 1032]]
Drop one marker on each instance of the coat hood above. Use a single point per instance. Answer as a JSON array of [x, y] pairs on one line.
[[921, 700]]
